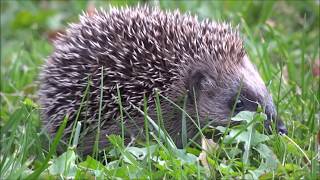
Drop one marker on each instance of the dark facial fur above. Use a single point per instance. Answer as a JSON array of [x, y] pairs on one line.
[[141, 50]]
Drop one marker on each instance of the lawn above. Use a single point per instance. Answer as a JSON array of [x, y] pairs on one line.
[[281, 39]]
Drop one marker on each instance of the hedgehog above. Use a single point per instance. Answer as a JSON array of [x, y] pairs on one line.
[[131, 54]]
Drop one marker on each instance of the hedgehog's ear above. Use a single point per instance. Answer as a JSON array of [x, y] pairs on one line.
[[195, 83]]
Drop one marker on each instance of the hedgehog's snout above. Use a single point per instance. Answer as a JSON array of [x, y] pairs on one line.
[[279, 126], [255, 84]]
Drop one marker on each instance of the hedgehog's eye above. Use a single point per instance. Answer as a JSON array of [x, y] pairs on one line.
[[239, 105]]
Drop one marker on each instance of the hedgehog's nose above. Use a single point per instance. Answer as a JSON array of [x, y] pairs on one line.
[[280, 126]]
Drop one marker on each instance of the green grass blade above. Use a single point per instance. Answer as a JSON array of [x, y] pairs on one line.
[[52, 150]]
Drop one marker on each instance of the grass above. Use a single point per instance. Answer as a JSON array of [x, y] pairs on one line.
[[281, 38]]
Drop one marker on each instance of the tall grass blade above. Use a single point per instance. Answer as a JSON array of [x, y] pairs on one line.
[[52, 150], [97, 141]]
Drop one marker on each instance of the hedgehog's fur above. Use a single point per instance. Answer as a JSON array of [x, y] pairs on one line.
[[140, 50]]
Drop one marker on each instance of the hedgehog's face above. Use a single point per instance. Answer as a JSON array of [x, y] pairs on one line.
[[216, 97]]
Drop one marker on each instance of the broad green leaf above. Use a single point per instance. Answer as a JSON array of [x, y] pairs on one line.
[[91, 163], [140, 153], [185, 157], [244, 116], [116, 141], [244, 136], [64, 165], [269, 163]]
